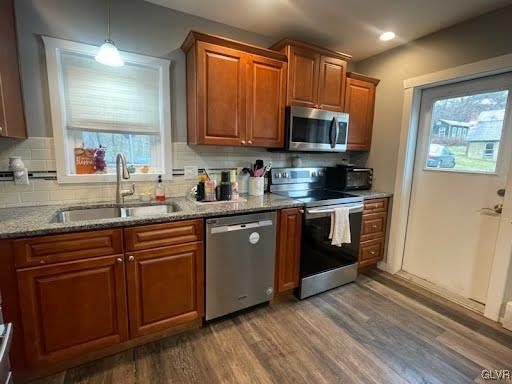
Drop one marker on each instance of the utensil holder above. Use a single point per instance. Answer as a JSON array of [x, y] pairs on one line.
[[256, 186]]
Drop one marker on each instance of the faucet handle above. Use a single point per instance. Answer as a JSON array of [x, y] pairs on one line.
[[132, 191]]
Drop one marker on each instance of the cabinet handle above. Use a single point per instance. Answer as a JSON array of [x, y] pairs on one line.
[[372, 253], [374, 226], [249, 142], [119, 260], [131, 258], [243, 142]]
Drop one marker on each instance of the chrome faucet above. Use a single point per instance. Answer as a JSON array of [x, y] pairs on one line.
[[122, 172]]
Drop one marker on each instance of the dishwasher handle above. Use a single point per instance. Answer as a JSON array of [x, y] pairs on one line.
[[241, 227]]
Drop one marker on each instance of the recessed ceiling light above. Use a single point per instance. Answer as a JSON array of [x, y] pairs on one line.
[[386, 36]]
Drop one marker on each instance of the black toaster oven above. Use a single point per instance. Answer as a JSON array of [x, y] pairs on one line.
[[349, 177]]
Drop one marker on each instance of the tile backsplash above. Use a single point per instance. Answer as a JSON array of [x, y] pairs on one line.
[[38, 155]]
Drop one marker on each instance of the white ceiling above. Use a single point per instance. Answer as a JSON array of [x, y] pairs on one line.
[[350, 26]]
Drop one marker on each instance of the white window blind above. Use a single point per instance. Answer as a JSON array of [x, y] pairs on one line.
[[108, 99]]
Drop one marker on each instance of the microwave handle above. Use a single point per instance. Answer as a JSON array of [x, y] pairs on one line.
[[336, 130]]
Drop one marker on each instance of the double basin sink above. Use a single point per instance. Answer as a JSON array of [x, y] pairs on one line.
[[112, 212]]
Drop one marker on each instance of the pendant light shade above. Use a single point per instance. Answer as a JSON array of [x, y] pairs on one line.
[[108, 53]]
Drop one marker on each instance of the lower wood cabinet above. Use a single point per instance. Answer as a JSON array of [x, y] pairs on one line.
[[288, 249], [373, 232], [73, 296], [71, 308], [165, 287]]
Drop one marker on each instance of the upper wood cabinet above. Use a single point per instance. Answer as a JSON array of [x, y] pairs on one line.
[[12, 115], [266, 89], [235, 92], [288, 249], [316, 76], [303, 70], [360, 104]]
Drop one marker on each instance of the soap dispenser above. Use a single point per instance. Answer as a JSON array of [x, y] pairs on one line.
[[159, 190]]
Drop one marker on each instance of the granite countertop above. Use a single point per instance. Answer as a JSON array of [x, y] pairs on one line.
[[37, 220], [371, 194]]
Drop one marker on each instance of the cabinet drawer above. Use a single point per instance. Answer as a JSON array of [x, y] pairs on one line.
[[374, 226], [72, 246], [376, 205], [371, 252], [161, 235]]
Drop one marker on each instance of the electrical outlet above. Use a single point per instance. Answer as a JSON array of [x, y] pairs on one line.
[[22, 179], [191, 172]]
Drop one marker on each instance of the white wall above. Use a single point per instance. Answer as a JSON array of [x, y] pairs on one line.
[[483, 37]]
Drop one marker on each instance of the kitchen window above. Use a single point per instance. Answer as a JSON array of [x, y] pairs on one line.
[[98, 111]]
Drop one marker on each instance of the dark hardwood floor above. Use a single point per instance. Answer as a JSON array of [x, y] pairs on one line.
[[380, 329]]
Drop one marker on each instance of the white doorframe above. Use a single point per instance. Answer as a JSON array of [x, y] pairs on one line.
[[405, 167]]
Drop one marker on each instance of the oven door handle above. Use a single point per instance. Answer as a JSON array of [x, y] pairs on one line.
[[355, 208]]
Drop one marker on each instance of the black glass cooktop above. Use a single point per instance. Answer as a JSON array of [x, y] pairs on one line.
[[317, 195]]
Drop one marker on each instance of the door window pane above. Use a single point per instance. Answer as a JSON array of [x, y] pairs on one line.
[[466, 132]]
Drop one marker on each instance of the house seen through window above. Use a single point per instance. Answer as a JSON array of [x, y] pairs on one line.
[[466, 132]]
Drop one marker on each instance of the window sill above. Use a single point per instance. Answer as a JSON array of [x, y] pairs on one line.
[[109, 178]]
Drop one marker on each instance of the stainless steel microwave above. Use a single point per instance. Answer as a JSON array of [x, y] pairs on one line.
[[316, 130]]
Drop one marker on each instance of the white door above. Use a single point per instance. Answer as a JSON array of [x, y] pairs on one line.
[[462, 160]]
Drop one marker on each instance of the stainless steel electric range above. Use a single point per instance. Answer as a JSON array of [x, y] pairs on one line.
[[323, 266]]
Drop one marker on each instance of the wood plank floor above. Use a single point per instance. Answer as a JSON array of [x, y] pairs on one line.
[[380, 329]]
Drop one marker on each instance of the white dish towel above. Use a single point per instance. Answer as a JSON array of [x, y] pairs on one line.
[[340, 226]]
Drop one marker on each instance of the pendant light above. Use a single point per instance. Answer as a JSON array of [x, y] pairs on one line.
[[108, 53]]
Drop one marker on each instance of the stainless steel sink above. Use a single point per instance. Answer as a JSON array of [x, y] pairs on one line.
[[149, 210], [85, 214], [97, 213]]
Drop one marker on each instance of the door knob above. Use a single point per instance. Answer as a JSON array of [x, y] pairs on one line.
[[243, 142], [119, 260], [249, 142], [131, 258], [496, 210]]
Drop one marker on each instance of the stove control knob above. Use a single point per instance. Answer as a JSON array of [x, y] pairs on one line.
[[320, 174], [285, 175], [279, 175], [313, 174]]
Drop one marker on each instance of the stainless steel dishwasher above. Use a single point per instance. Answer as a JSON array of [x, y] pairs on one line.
[[240, 262]]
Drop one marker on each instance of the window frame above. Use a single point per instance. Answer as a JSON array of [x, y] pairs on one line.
[[64, 163]]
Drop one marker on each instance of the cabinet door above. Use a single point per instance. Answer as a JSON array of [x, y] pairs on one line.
[[12, 116], [220, 95], [72, 308], [266, 82], [165, 287], [331, 83], [359, 103], [303, 77], [288, 251]]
